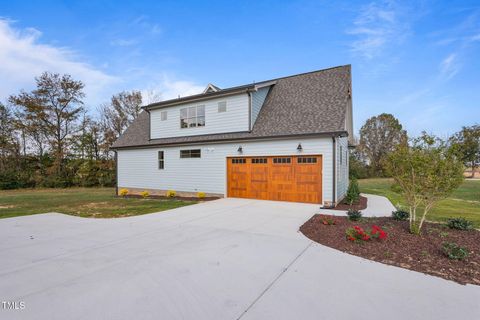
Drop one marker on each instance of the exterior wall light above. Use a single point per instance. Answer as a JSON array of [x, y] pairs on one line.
[[299, 148], [240, 149]]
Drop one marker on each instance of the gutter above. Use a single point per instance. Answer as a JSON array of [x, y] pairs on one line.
[[224, 140]]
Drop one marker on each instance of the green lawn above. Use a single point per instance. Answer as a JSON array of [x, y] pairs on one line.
[[83, 202], [464, 202]]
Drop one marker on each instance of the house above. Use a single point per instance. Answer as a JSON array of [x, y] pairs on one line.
[[284, 139]]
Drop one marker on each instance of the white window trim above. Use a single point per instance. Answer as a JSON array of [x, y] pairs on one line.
[[163, 115], [223, 105], [196, 117], [161, 160]]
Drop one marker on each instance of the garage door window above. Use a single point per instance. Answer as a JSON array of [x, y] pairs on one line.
[[282, 160], [259, 160], [239, 161], [307, 160]]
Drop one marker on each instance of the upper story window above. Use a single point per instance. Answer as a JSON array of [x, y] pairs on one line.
[[192, 117], [222, 106], [163, 115]]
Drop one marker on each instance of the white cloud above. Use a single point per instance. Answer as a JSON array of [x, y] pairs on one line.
[[23, 57], [170, 88], [375, 28], [450, 66], [475, 37]]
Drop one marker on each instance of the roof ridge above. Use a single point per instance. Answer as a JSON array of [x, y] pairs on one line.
[[308, 72], [244, 86]]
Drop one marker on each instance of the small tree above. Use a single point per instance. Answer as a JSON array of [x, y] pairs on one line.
[[353, 192], [427, 172]]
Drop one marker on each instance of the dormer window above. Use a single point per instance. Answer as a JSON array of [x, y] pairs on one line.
[[192, 117]]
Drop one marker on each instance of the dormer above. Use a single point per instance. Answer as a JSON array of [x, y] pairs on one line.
[[211, 88], [214, 111]]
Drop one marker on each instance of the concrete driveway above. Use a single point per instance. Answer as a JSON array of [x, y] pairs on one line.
[[226, 259]]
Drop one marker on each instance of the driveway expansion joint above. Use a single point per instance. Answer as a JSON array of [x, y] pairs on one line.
[[270, 285]]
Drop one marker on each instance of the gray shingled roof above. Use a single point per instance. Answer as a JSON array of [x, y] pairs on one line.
[[313, 103]]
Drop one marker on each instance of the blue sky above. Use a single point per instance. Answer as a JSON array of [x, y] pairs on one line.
[[417, 60]]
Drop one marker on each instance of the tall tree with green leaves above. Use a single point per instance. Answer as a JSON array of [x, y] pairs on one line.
[[426, 172], [56, 104], [466, 143], [379, 136]]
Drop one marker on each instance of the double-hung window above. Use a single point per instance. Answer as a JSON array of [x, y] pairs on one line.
[[161, 160], [192, 117]]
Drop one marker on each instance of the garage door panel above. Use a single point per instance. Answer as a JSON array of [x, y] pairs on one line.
[[286, 178]]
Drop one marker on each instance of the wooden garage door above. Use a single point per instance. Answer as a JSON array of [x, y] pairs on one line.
[[283, 178]]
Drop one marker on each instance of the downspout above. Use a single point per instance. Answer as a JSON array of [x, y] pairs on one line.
[[116, 173], [334, 176], [249, 110], [334, 156]]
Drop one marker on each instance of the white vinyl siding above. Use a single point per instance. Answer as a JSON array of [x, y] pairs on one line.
[[342, 167], [234, 120], [258, 98], [137, 168]]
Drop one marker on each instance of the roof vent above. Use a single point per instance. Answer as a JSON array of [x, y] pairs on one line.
[[211, 88]]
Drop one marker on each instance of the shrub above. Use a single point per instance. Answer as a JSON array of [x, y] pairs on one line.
[[378, 233], [145, 194], [171, 193], [400, 215], [354, 215], [353, 192], [460, 224], [8, 180], [123, 192], [328, 220], [454, 251], [200, 195], [357, 234]]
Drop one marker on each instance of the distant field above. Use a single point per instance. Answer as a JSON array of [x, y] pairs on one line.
[[83, 202], [464, 202]]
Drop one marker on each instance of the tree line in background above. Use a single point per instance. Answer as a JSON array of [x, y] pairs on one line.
[[49, 139], [383, 134]]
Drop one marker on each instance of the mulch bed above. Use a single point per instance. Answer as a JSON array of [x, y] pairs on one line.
[[360, 205], [137, 196], [422, 253]]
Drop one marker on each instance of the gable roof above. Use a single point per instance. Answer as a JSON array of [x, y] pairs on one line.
[[314, 103], [211, 88]]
